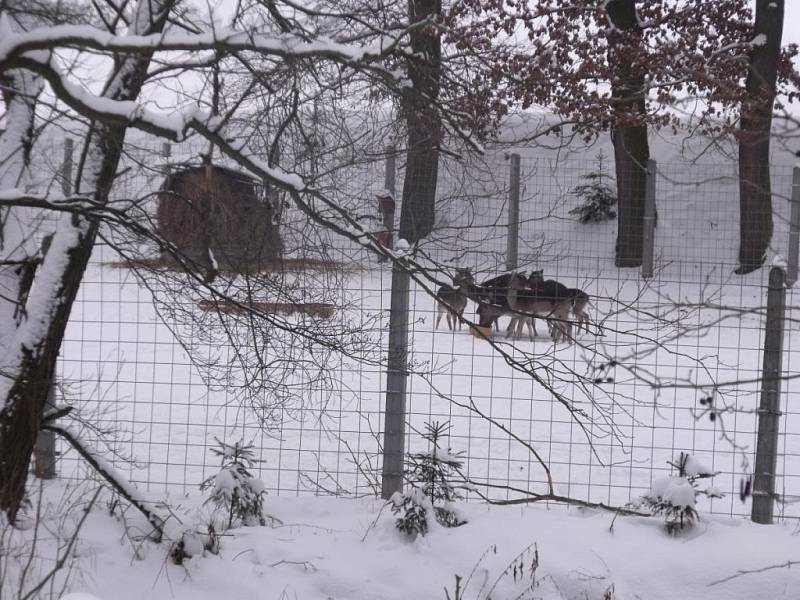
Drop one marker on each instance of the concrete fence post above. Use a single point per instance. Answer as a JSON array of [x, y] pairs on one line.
[[649, 221], [769, 407], [394, 428], [512, 242]]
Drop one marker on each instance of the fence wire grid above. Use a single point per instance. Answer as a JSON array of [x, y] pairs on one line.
[[160, 380]]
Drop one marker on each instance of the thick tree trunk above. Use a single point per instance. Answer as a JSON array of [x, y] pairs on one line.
[[40, 335], [424, 128], [15, 240], [755, 198], [629, 131]]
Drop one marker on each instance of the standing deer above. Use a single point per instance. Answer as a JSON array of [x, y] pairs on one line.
[[580, 300], [492, 298], [577, 298], [535, 297], [452, 300], [517, 320]]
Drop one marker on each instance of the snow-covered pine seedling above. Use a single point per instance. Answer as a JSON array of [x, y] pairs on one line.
[[194, 543], [675, 496], [431, 491], [233, 488], [597, 195]]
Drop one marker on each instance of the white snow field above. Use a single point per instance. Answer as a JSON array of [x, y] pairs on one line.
[[137, 379], [656, 348], [348, 549]]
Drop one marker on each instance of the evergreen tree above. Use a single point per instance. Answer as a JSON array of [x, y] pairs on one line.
[[597, 195], [432, 492]]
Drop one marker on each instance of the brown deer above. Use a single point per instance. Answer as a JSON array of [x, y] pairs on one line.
[[547, 299], [517, 320], [580, 301], [452, 300]]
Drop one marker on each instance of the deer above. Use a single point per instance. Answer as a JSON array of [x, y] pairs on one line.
[[577, 298], [499, 297], [580, 301], [491, 297], [452, 300], [536, 297], [517, 320]]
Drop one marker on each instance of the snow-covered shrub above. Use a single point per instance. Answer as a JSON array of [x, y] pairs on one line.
[[598, 197], [431, 492], [193, 543], [675, 497], [413, 508], [233, 488]]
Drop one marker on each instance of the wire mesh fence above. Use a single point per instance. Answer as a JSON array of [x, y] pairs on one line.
[[157, 377]]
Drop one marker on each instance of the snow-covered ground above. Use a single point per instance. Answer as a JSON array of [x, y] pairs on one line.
[[332, 548], [138, 380], [125, 368]]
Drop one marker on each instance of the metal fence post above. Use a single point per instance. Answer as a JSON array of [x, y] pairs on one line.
[[769, 407], [649, 221], [44, 451], [394, 427], [794, 229], [512, 242]]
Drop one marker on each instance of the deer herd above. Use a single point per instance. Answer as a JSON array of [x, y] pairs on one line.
[[522, 297]]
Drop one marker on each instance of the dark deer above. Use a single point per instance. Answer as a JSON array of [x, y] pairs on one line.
[[452, 300], [492, 299]]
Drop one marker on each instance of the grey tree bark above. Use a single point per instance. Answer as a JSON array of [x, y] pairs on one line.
[[755, 196], [424, 126], [21, 415], [628, 132]]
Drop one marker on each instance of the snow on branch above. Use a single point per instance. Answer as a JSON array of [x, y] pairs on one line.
[[14, 45], [116, 479]]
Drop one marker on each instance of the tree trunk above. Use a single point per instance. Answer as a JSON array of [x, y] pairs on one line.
[[629, 130], [424, 128], [755, 198], [40, 334]]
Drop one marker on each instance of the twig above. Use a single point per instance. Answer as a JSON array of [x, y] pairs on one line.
[[375, 521], [788, 564], [155, 520], [61, 561], [308, 566]]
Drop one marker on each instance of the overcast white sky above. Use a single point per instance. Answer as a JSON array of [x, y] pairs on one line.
[[791, 25]]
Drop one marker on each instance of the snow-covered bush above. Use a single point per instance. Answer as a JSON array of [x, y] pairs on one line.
[[431, 492], [675, 497], [193, 543], [598, 197], [233, 488]]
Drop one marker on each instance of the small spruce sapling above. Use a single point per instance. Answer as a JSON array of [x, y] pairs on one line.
[[675, 497], [431, 492], [233, 488], [597, 195]]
